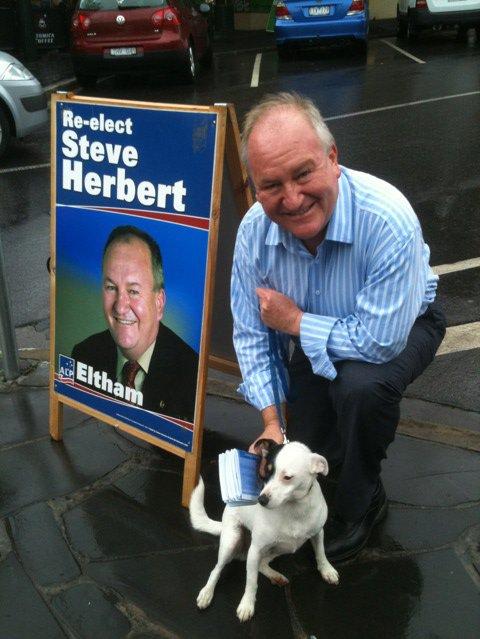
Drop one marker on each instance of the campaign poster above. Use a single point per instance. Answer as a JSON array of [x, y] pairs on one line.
[[133, 204]]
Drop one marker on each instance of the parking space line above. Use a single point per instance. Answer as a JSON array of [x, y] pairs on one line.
[[14, 169], [402, 51], [51, 87], [442, 269], [402, 105], [256, 70], [464, 337]]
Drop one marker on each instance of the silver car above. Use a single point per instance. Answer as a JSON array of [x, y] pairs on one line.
[[23, 103]]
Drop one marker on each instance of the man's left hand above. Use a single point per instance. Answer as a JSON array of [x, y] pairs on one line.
[[279, 312]]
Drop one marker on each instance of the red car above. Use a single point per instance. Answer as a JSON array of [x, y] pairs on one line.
[[122, 36]]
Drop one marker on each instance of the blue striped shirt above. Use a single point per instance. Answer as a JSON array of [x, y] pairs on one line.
[[361, 293]]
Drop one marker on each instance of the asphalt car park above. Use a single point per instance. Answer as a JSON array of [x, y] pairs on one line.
[[407, 112]]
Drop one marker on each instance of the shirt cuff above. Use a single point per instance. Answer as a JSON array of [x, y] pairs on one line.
[[314, 333], [258, 390]]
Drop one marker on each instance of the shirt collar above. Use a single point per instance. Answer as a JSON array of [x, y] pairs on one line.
[[340, 226], [143, 360]]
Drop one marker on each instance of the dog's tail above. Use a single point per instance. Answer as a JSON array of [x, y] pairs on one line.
[[198, 516]]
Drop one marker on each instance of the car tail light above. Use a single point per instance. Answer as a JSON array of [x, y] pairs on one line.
[[166, 18], [80, 23], [172, 19], [357, 6], [157, 18], [421, 4], [281, 11]]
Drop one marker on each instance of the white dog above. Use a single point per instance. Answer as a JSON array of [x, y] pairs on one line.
[[291, 509]]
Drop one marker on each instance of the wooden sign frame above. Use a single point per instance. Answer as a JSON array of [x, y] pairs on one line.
[[227, 146]]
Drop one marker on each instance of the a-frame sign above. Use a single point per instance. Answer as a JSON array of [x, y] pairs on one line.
[[137, 191]]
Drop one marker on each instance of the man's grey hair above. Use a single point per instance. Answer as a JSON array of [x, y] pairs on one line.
[[285, 100], [125, 235]]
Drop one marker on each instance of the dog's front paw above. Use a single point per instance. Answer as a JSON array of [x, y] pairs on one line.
[[329, 574], [205, 597], [246, 608]]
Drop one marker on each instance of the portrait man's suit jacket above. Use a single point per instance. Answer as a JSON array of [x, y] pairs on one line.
[[169, 387]]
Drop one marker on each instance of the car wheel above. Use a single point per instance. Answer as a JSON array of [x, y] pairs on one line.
[[462, 34], [5, 132], [284, 51], [411, 30], [401, 27], [86, 79], [190, 64], [362, 46], [207, 58]]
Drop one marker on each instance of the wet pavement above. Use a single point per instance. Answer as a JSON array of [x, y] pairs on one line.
[[428, 147], [94, 541]]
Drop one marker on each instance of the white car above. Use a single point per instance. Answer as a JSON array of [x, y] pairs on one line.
[[415, 15], [23, 103]]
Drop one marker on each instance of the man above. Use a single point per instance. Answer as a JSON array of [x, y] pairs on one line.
[[138, 350], [334, 261]]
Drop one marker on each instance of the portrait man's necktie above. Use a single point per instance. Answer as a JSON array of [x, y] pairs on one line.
[[129, 372]]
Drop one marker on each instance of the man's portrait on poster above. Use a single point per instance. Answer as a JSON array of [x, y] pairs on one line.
[[137, 359]]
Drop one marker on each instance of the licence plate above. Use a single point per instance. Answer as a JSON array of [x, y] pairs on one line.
[[319, 11], [123, 51]]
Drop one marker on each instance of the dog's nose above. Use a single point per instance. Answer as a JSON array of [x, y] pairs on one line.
[[263, 500]]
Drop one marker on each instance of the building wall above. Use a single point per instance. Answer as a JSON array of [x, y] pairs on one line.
[[383, 9]]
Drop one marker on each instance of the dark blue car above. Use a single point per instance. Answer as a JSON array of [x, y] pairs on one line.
[[307, 21]]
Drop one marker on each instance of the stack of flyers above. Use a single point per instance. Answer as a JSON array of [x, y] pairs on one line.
[[239, 481]]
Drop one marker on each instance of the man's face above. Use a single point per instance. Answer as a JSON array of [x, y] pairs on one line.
[[296, 181], [132, 308]]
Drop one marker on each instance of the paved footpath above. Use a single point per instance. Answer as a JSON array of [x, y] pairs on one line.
[[94, 543]]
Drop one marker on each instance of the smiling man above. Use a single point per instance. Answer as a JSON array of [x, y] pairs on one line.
[[138, 359], [332, 262]]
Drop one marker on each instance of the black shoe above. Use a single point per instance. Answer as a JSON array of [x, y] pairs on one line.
[[344, 539]]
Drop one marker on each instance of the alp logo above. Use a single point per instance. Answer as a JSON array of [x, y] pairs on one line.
[[66, 369]]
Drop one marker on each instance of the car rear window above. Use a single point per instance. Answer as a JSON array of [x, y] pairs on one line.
[[112, 5]]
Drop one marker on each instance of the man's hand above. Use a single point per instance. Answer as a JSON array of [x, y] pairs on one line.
[[269, 433], [271, 427], [278, 311]]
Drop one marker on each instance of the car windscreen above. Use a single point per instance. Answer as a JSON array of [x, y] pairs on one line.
[[113, 5]]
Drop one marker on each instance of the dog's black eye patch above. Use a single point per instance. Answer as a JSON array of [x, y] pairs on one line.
[[267, 465], [271, 460]]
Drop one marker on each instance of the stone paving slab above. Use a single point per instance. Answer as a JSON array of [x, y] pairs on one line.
[[426, 596], [110, 524], [24, 415], [459, 291], [452, 380], [421, 473], [23, 612], [165, 587], [413, 529], [40, 470], [41, 546], [96, 543], [85, 610]]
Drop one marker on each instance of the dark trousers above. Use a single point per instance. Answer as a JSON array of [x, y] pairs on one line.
[[352, 419]]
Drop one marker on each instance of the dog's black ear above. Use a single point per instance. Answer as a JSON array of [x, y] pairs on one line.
[[264, 446]]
